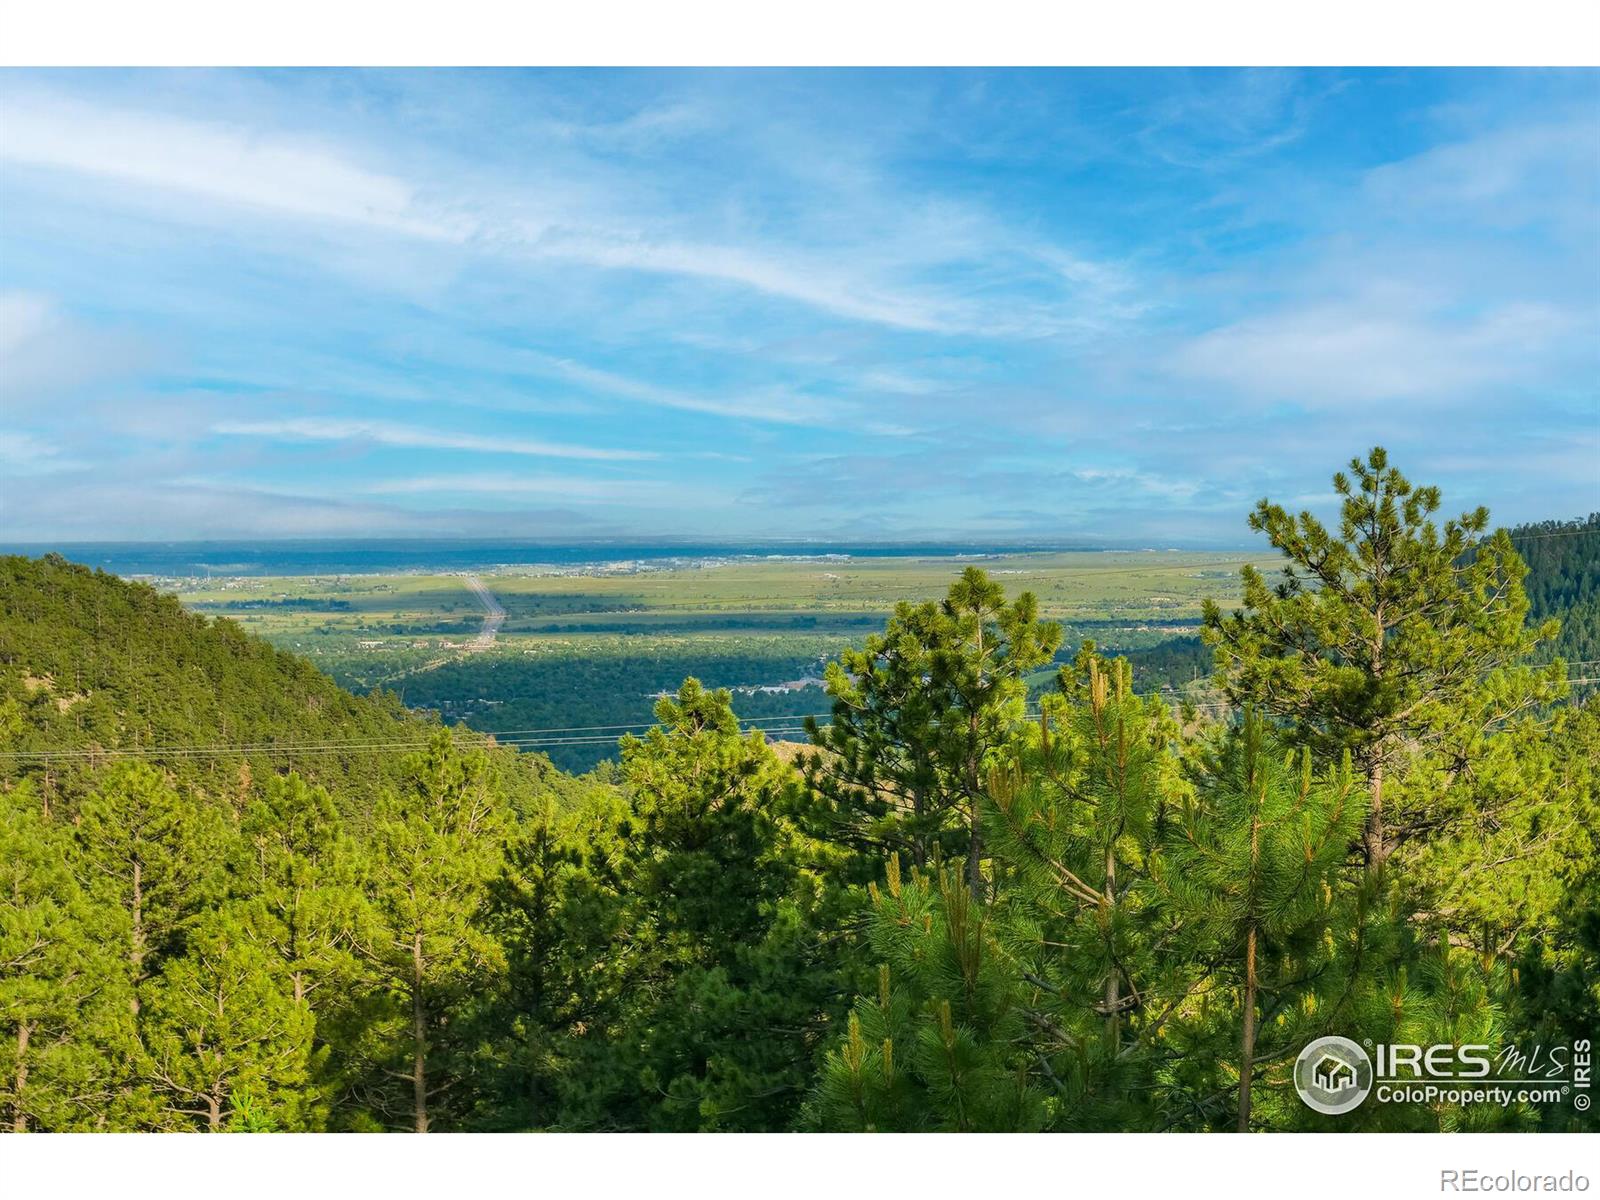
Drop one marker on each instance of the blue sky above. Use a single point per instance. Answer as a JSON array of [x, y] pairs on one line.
[[1080, 305]]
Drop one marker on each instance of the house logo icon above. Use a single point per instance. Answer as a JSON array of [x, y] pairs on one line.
[[1333, 1075]]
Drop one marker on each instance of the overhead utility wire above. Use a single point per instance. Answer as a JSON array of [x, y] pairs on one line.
[[786, 725]]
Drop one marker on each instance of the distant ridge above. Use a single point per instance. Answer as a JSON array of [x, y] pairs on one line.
[[384, 556]]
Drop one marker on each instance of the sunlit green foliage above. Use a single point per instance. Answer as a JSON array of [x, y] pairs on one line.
[[1388, 635], [994, 895]]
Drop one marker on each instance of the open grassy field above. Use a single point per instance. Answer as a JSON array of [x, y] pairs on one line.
[[1132, 586], [593, 645]]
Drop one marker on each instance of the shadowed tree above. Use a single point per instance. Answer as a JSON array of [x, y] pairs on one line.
[[728, 984], [560, 912]]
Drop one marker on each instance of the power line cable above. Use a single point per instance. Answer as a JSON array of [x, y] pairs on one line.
[[527, 740]]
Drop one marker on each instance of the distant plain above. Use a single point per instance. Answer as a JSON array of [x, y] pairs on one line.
[[591, 644]]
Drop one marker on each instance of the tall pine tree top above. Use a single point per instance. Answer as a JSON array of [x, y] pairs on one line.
[[1390, 633]]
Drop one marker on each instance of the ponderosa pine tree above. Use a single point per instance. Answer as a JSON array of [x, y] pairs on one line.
[[66, 1030], [155, 853], [299, 874], [1511, 838], [1077, 816], [560, 914], [945, 1043], [1254, 880], [917, 714], [436, 844], [1389, 635], [1026, 1008], [728, 986], [222, 1024]]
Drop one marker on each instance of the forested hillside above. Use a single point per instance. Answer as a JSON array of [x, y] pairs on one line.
[[234, 897], [89, 663], [1563, 560], [609, 688]]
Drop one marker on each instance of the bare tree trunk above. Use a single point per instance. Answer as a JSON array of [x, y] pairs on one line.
[[298, 975], [213, 1113], [1113, 996], [975, 856], [919, 843], [1376, 850], [1374, 841], [975, 836], [136, 950], [1247, 1043], [19, 1115], [975, 839], [419, 1040]]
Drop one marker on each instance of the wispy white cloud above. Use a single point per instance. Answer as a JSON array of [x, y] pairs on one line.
[[1127, 479], [1525, 172], [136, 509], [569, 487], [391, 433], [1354, 352], [300, 177], [44, 352], [294, 177], [24, 454], [1219, 119], [1462, 273], [784, 409], [24, 316], [807, 282], [929, 301]]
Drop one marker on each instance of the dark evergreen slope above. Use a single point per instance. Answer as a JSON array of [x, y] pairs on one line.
[[1563, 581], [1563, 560], [91, 662]]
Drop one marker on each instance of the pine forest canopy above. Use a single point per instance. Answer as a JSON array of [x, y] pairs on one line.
[[234, 896]]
